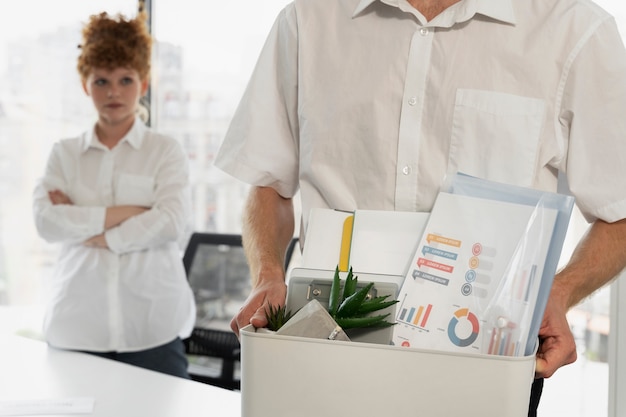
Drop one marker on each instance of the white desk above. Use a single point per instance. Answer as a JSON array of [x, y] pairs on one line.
[[30, 370]]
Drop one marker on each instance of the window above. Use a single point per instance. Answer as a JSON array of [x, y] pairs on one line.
[[201, 69], [41, 101]]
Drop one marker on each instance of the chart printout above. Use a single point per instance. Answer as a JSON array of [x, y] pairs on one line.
[[473, 281]]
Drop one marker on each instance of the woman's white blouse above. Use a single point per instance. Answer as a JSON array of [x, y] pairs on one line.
[[134, 295]]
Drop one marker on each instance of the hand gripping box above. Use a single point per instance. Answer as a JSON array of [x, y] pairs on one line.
[[287, 376]]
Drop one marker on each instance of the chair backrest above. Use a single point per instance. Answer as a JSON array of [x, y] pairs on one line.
[[219, 276]]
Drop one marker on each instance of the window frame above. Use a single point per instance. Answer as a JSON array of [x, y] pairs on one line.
[[617, 356]]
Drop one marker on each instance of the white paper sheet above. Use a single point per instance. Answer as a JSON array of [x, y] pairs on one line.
[[47, 406], [383, 242], [323, 239]]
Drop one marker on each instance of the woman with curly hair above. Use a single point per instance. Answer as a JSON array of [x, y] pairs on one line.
[[117, 199]]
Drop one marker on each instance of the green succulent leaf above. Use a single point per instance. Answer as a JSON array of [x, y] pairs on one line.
[[370, 321], [349, 287], [335, 294], [375, 304], [351, 307], [277, 316]]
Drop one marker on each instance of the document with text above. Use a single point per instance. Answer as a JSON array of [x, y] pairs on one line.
[[473, 281]]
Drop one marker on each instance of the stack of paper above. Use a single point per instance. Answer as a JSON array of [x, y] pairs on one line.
[[474, 274]]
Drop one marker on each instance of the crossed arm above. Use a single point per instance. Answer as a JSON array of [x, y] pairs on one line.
[[114, 216]]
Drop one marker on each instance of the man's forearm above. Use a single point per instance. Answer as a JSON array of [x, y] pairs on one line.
[[268, 227], [599, 257]]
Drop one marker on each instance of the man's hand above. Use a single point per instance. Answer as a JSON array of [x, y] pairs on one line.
[[266, 231], [252, 312], [598, 258], [557, 346]]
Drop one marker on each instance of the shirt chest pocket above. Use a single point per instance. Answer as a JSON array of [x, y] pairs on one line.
[[495, 136], [135, 190]]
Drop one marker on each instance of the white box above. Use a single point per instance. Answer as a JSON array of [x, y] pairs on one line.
[[379, 242], [286, 376]]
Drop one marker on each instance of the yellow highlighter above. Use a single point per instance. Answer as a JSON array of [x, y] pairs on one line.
[[346, 240]]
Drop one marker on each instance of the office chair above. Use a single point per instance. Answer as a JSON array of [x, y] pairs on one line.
[[219, 276]]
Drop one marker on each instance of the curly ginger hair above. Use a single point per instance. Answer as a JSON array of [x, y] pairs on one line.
[[115, 43]]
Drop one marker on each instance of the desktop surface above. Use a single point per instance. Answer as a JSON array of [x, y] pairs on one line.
[[33, 371]]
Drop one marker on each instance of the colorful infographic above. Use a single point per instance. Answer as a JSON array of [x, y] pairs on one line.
[[472, 281]]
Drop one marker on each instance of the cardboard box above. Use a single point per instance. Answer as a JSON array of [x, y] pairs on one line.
[[286, 376]]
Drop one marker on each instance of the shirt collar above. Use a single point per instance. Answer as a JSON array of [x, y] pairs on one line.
[[134, 137], [497, 9], [501, 10]]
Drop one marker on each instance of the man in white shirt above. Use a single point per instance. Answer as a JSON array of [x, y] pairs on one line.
[[369, 103]]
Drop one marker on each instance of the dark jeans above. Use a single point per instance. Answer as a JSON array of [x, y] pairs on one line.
[[535, 395], [169, 358]]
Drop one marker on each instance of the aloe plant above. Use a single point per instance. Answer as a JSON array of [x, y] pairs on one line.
[[277, 316], [351, 307]]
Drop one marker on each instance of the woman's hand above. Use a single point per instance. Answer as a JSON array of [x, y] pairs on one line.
[[97, 241], [59, 197]]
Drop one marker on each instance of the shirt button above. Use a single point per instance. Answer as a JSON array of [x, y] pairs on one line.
[[424, 31], [406, 170], [412, 101]]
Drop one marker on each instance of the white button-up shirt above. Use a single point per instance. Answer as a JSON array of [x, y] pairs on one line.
[[364, 104], [134, 295]]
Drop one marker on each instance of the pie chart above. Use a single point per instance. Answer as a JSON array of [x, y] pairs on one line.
[[463, 314]]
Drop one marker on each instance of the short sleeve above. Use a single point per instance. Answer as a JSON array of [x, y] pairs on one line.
[[261, 145], [594, 127]]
